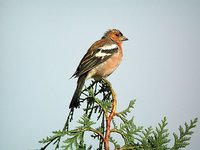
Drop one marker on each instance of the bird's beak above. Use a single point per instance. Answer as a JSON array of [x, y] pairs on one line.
[[124, 38]]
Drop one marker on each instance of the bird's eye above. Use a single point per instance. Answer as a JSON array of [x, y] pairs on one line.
[[118, 34]]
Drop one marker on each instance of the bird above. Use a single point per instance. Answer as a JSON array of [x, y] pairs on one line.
[[101, 60]]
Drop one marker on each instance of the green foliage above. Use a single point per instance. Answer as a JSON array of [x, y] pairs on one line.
[[160, 139], [185, 135], [98, 100], [114, 142], [124, 113]]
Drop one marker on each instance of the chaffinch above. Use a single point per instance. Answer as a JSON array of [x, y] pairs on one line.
[[101, 59]]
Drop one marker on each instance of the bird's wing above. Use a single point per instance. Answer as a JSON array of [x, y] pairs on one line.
[[95, 56]]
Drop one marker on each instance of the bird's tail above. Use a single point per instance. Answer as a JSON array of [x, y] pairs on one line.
[[75, 99]]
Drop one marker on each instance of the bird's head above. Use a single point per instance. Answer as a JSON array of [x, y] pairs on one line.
[[115, 35]]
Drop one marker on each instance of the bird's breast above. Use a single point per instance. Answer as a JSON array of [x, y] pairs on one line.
[[106, 68]]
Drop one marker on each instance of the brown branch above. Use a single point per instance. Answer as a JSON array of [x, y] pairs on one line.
[[110, 117]]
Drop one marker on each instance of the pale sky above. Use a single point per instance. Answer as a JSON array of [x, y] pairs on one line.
[[42, 42]]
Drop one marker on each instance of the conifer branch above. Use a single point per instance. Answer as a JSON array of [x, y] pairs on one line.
[[110, 117], [184, 137], [98, 120]]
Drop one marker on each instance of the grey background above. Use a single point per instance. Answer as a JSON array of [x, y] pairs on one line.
[[42, 42]]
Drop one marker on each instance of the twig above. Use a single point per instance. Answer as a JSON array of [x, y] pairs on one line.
[[110, 117]]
